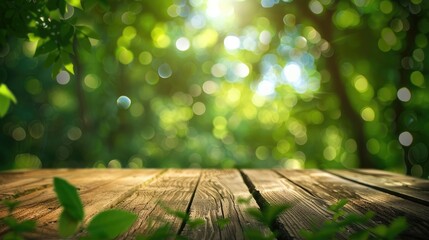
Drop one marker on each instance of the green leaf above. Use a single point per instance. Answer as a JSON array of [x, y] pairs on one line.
[[180, 214], [75, 3], [84, 43], [396, 227], [164, 232], [69, 68], [10, 221], [25, 226], [68, 64], [361, 235], [338, 205], [62, 6], [87, 31], [111, 223], [4, 91], [242, 200], [45, 46], [67, 226], [69, 198], [52, 4], [4, 105], [269, 214], [56, 68], [194, 223], [51, 59], [273, 211], [11, 205], [12, 236], [253, 234], [222, 222], [393, 230]]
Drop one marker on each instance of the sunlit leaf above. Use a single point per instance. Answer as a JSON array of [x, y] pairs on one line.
[[4, 105], [110, 223], [5, 92], [74, 3]]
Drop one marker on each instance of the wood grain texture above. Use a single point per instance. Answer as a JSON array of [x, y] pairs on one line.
[[330, 188], [98, 190], [213, 194], [306, 210], [411, 188], [173, 189], [217, 197], [17, 183]]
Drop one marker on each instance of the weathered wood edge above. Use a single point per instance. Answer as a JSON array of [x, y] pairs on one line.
[[329, 188], [401, 183]]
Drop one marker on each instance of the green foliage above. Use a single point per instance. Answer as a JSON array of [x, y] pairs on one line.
[[161, 233], [16, 228], [253, 234], [107, 224], [223, 222], [245, 201], [6, 96], [268, 214], [69, 198], [73, 212], [67, 225], [341, 220], [192, 90], [396, 227], [192, 223]]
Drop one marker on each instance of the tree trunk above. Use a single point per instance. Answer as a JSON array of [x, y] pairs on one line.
[[351, 117]]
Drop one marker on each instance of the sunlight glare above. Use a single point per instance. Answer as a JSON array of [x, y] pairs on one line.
[[266, 87], [183, 44], [292, 73], [232, 42], [219, 9]]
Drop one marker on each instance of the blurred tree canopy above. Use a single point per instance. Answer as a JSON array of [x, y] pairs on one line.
[[215, 83]]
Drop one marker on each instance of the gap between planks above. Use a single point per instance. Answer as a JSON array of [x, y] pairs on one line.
[[410, 188]]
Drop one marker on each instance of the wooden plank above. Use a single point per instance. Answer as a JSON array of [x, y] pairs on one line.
[[330, 188], [306, 210], [174, 189], [14, 175], [25, 182], [98, 190], [216, 198], [411, 188]]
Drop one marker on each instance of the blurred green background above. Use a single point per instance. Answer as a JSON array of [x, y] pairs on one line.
[[215, 83]]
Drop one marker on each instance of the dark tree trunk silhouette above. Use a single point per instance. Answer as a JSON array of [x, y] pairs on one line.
[[404, 74], [78, 71], [351, 117]]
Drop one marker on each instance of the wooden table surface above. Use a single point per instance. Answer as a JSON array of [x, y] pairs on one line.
[[212, 194]]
